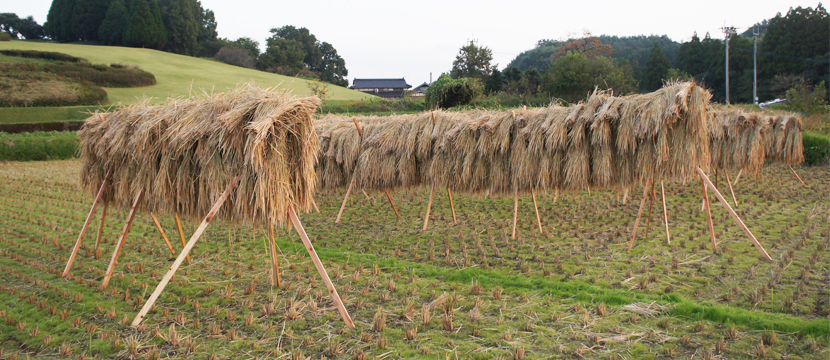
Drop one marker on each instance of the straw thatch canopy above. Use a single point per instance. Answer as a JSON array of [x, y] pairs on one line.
[[744, 140], [605, 142], [184, 154]]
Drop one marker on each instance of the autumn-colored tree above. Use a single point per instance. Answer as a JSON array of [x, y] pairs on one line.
[[588, 44]]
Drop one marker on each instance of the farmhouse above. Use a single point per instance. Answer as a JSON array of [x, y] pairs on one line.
[[419, 91], [388, 88]]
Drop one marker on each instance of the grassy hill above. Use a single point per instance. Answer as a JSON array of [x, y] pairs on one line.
[[176, 74]]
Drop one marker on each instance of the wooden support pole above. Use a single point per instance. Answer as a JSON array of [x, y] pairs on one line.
[[665, 213], [555, 195], [625, 196], [359, 131], [796, 174], [452, 205], [275, 262], [515, 212], [345, 199], [320, 269], [315, 205], [393, 204], [122, 240], [738, 177], [101, 228], [181, 235], [163, 235], [536, 207], [639, 213], [429, 207], [650, 204], [731, 191], [709, 215], [734, 215], [86, 224], [187, 248]]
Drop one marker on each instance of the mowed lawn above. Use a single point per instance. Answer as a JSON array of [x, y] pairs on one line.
[[178, 75]]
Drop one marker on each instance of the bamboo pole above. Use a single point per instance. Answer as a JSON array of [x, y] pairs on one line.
[[452, 205], [650, 204], [709, 215], [315, 205], [122, 240], [639, 213], [429, 207], [796, 174], [275, 262], [515, 212], [187, 248], [320, 269], [555, 195], [345, 199], [163, 235], [393, 204], [536, 207], [101, 228], [86, 223], [181, 235], [731, 191], [665, 213], [738, 177], [734, 215], [625, 196]]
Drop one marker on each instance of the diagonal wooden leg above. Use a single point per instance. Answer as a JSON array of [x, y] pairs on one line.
[[86, 224], [536, 207], [665, 213], [650, 204], [315, 205], [275, 268], [101, 228], [639, 213], [733, 214], [429, 207], [625, 196], [731, 191], [181, 235], [709, 215], [555, 195], [183, 254], [122, 240], [796, 174], [452, 205], [393, 204], [738, 177], [515, 212], [163, 235], [320, 269], [345, 199]]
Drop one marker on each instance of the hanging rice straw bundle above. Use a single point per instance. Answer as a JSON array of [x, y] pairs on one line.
[[184, 154]]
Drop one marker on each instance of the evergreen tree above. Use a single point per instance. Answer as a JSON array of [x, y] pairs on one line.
[[472, 61], [111, 31], [796, 44], [494, 82], [657, 66], [87, 17], [144, 26], [181, 24], [58, 24], [690, 57], [333, 67], [50, 27]]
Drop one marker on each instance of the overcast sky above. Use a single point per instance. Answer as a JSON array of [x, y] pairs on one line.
[[390, 39]]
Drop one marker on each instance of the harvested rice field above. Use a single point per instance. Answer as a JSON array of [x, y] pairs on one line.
[[459, 290]]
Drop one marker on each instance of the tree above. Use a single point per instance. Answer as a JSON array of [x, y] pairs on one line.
[[251, 45], [308, 43], [332, 67], [29, 28], [657, 66], [111, 31], [144, 27], [181, 24], [8, 24], [87, 17], [472, 61], [293, 51], [575, 75], [494, 82], [533, 81], [282, 56], [58, 24], [588, 44], [512, 74], [235, 56]]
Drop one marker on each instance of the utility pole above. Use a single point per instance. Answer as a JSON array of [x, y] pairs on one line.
[[727, 31], [755, 67]]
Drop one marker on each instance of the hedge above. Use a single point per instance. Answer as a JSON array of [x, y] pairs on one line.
[[52, 145]]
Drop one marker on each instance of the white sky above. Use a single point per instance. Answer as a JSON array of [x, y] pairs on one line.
[[392, 39]]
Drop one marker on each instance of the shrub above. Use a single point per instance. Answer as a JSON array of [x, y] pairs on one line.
[[806, 100], [5, 37], [816, 148], [52, 145], [447, 92], [122, 76], [45, 55], [235, 56]]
